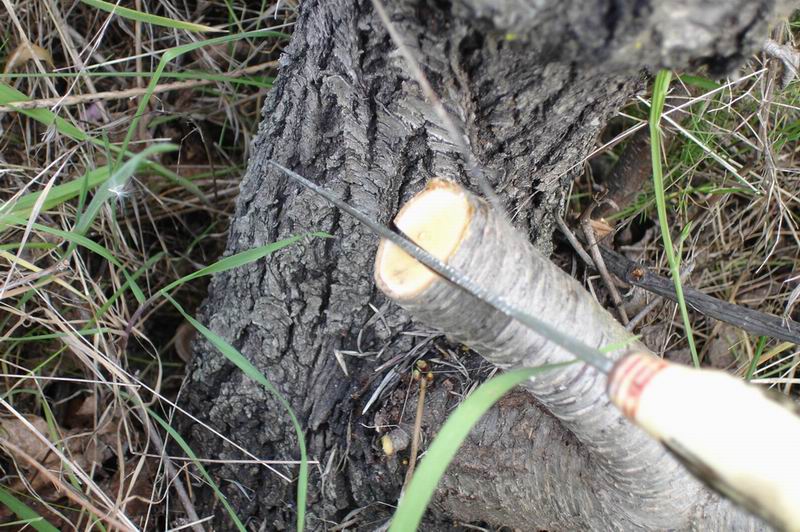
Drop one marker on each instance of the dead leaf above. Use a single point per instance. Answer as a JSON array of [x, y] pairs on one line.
[[601, 228], [81, 411], [719, 351], [17, 433], [85, 448], [184, 337], [24, 53]]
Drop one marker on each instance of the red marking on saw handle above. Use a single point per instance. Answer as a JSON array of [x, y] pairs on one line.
[[629, 378]]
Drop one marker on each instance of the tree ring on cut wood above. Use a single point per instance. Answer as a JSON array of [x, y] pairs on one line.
[[436, 219]]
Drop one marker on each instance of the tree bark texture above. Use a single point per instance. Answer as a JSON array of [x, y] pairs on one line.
[[532, 83]]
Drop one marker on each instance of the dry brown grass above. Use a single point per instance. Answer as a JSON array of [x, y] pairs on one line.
[[78, 442]]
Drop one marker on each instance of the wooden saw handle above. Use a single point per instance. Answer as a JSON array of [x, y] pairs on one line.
[[731, 435]]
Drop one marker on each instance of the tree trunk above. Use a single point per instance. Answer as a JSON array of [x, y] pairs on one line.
[[532, 85]]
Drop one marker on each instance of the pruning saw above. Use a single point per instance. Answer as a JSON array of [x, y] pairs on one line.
[[721, 428]]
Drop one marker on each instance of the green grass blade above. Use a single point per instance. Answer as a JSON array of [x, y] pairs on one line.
[[28, 245], [58, 194], [9, 95], [188, 451], [25, 512], [453, 433], [112, 187], [130, 282], [751, 369], [240, 259], [700, 82], [116, 183], [262, 82], [155, 20], [68, 236], [251, 371], [84, 192], [137, 292], [659, 97], [622, 344], [55, 336]]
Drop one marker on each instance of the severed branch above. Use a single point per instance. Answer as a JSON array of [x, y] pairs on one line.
[[464, 232], [747, 319], [475, 243]]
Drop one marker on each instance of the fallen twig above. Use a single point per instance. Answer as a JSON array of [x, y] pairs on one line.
[[173, 476], [573, 240], [747, 319], [422, 369], [686, 270]]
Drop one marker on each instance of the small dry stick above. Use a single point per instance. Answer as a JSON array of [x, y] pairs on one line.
[[572, 239], [588, 232], [183, 496], [750, 320], [686, 271], [69, 46], [415, 435], [137, 32]]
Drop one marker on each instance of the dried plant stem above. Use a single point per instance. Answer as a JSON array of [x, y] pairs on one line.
[[415, 435], [591, 239], [573, 241], [128, 93], [172, 474], [753, 321]]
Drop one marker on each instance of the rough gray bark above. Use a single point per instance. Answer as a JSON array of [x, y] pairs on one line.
[[344, 112]]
